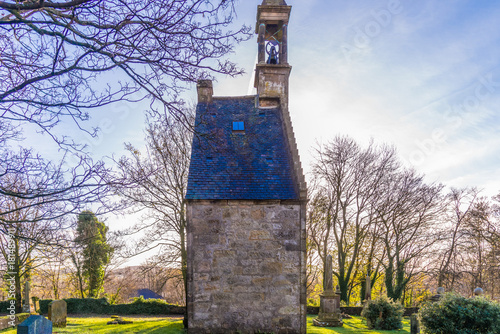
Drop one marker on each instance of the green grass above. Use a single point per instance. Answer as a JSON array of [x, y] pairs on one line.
[[356, 325], [97, 325]]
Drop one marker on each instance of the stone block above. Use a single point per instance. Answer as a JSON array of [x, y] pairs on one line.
[[262, 281], [5, 323], [258, 214], [35, 324], [260, 235], [271, 268], [58, 311]]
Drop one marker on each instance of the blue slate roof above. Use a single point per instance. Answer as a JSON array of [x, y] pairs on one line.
[[254, 164]]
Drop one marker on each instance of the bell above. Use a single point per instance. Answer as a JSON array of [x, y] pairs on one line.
[[273, 56]]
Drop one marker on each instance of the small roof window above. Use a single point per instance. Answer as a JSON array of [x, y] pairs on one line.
[[238, 126]]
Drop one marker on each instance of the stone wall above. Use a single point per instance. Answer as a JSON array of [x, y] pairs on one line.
[[246, 268]]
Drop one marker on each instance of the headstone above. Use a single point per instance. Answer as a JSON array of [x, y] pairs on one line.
[[478, 292], [437, 297], [26, 299], [414, 325], [368, 292], [35, 324], [58, 313], [36, 303], [329, 309]]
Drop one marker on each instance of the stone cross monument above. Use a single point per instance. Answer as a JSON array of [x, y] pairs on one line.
[[329, 309], [26, 301]]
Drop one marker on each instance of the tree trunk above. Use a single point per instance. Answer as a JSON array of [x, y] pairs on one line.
[[17, 276]]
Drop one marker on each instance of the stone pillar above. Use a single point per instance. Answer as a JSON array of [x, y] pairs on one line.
[[414, 325], [262, 43], [329, 308], [368, 292], [284, 46], [26, 299]]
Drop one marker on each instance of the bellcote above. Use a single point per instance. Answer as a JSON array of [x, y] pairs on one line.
[[272, 70], [272, 28]]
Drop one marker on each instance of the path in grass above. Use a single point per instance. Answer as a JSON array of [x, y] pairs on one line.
[[97, 325]]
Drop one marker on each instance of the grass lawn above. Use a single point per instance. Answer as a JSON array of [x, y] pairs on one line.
[[356, 325], [97, 325]]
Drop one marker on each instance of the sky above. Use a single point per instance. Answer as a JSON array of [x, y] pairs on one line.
[[422, 75]]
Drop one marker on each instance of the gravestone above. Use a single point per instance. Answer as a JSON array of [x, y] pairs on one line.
[[36, 303], [35, 324], [329, 308], [26, 300], [438, 295], [58, 313], [414, 325]]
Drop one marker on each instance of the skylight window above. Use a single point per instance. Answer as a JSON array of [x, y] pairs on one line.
[[238, 126]]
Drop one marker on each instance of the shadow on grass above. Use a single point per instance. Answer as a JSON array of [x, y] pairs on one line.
[[173, 328]]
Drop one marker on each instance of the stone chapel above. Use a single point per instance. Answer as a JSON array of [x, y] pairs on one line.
[[246, 201]]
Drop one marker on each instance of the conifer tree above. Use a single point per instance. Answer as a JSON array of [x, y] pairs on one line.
[[91, 236]]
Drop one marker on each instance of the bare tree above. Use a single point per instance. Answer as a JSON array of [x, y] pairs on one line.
[[62, 60], [407, 215], [59, 189], [55, 56], [460, 204], [350, 177], [158, 181], [28, 240], [317, 238]]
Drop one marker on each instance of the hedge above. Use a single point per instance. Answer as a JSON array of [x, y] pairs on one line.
[[383, 313], [4, 304], [102, 306], [454, 314]]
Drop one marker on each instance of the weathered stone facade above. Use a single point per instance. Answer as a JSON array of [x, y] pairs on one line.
[[247, 269]]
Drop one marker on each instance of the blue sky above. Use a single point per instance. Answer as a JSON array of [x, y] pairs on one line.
[[422, 75]]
